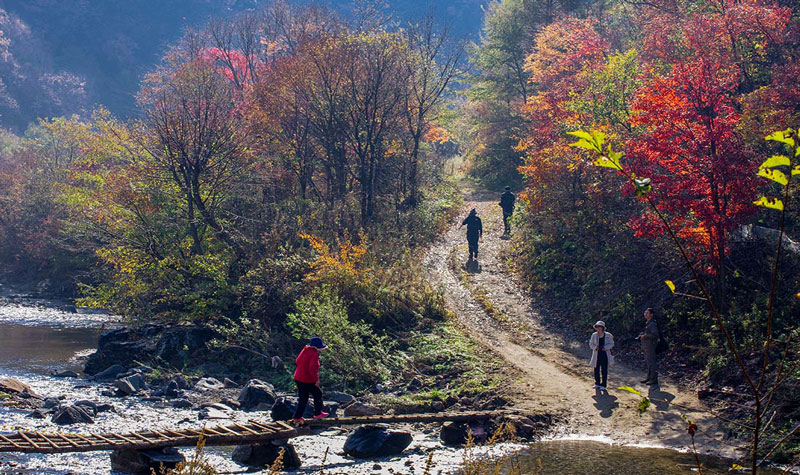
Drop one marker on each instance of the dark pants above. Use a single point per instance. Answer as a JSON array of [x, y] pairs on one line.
[[473, 248], [651, 359], [602, 365], [305, 389], [506, 223]]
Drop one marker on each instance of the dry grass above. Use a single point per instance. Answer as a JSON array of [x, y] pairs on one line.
[[477, 463]]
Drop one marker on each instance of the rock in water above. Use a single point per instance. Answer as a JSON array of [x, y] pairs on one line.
[[109, 373], [15, 386], [454, 433], [130, 385], [256, 392], [172, 390], [208, 384], [145, 461], [374, 440], [72, 415], [261, 455]]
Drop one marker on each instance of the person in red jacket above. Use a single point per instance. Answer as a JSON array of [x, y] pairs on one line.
[[306, 376]]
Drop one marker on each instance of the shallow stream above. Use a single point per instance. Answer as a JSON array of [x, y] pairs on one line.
[[37, 340]]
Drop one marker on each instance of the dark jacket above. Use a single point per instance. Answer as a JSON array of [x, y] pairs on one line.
[[307, 366], [507, 200], [474, 227], [649, 336]]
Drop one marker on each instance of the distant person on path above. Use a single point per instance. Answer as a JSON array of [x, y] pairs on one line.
[[649, 340], [474, 232], [601, 344], [306, 376], [507, 200]]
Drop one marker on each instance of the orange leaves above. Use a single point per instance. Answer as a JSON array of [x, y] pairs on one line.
[[343, 258]]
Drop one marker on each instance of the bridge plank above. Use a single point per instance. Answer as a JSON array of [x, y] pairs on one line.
[[6, 439], [239, 426], [28, 440], [48, 440], [234, 434], [62, 436]]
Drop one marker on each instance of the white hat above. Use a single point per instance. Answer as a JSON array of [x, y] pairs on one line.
[[600, 323]]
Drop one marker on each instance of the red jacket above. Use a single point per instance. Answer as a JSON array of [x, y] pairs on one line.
[[307, 365]]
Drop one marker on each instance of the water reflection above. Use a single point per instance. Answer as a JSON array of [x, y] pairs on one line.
[[42, 350], [589, 457]]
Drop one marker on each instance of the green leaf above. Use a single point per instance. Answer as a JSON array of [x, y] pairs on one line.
[[581, 134], [630, 390], [592, 140], [670, 285], [643, 405], [606, 162], [772, 203], [783, 136], [775, 175], [585, 144], [776, 161]]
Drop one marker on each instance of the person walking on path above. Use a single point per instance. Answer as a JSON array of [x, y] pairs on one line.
[[601, 343], [474, 232], [507, 200], [306, 376], [649, 340]]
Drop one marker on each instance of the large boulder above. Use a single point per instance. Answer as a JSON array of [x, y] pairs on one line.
[[73, 414], [264, 455], [15, 386], [454, 433], [109, 373], [374, 440], [284, 408], [256, 392], [176, 345], [130, 385], [209, 384], [145, 461]]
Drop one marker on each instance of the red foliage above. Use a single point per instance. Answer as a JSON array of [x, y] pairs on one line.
[[688, 114]]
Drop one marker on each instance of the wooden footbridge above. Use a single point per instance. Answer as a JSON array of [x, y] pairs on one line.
[[233, 434]]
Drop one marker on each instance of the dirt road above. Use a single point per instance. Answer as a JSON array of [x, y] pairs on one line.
[[553, 373]]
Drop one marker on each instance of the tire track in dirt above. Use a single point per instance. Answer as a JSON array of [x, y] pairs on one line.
[[554, 375]]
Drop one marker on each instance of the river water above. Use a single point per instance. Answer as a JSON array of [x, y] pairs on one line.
[[38, 339]]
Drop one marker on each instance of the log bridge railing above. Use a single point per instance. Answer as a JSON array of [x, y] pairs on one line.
[[233, 434]]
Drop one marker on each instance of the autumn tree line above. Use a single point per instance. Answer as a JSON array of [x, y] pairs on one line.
[[286, 154], [686, 91]]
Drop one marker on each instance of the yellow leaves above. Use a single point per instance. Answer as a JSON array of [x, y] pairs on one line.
[[776, 161], [775, 175], [671, 285], [771, 203], [783, 136]]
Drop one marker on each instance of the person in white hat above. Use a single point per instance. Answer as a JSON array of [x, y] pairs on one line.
[[601, 344]]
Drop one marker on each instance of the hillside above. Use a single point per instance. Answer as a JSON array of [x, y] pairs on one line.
[[63, 57]]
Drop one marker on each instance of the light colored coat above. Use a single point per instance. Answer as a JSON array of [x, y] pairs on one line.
[[594, 342]]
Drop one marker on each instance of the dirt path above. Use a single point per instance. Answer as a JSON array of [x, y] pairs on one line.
[[553, 374]]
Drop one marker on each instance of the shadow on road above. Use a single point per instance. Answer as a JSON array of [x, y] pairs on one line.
[[473, 266], [661, 399], [605, 402]]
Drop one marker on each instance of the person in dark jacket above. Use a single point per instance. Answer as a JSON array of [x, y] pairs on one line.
[[306, 376], [649, 340], [474, 232], [507, 200]]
